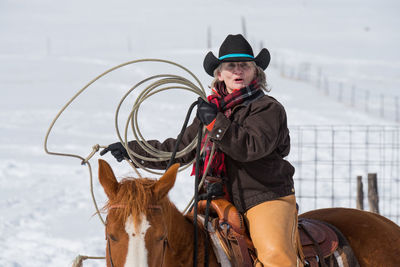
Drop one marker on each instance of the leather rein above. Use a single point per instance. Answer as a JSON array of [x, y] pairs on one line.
[[172, 160], [164, 239]]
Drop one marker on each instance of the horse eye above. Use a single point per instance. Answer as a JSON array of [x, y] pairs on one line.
[[113, 238]]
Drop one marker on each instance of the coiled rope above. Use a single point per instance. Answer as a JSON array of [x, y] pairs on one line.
[[157, 155]]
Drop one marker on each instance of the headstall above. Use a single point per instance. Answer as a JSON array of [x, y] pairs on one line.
[[164, 239]]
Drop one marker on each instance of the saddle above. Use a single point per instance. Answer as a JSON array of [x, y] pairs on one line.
[[229, 234], [318, 241]]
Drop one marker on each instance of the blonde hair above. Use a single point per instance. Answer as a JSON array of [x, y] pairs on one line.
[[260, 76]]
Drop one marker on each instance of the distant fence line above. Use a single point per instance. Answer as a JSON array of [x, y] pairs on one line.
[[328, 160], [375, 103], [378, 104]]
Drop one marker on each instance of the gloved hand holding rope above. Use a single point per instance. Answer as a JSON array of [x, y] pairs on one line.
[[117, 150], [206, 112]]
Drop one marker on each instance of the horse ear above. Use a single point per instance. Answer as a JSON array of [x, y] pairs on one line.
[[166, 182], [107, 179]]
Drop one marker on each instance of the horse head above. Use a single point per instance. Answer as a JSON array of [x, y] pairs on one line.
[[137, 218]]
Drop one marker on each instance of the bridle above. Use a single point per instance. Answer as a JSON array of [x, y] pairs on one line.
[[164, 237], [109, 248]]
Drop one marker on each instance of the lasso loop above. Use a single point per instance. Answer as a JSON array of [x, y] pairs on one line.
[[153, 88]]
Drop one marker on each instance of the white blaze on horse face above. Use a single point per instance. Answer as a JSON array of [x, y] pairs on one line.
[[137, 253]]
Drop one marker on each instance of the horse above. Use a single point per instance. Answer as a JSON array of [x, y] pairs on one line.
[[144, 228]]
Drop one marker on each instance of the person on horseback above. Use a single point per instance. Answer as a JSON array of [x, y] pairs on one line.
[[249, 130]]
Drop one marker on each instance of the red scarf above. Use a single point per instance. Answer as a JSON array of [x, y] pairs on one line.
[[225, 103]]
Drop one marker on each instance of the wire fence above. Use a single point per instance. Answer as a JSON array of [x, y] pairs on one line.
[[328, 160]]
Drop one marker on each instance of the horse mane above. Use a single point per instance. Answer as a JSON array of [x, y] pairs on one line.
[[133, 198]]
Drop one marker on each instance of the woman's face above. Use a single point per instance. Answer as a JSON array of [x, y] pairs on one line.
[[237, 75]]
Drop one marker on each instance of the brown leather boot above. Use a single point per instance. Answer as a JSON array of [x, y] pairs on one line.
[[273, 229]]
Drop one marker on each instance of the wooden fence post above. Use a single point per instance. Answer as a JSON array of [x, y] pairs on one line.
[[209, 41], [353, 96], [319, 78], [373, 198], [396, 108], [283, 71], [340, 93], [360, 193], [326, 85], [244, 31], [366, 100]]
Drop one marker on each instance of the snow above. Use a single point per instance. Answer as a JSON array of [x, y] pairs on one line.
[[51, 49]]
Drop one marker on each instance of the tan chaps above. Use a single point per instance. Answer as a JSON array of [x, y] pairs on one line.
[[273, 229]]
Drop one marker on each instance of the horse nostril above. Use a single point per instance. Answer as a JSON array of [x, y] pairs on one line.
[[133, 234]]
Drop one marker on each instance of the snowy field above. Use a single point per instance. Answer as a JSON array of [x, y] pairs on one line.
[[51, 49]]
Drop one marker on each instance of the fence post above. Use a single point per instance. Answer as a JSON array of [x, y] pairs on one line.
[[209, 44], [293, 73], [283, 74], [360, 193], [319, 78], [274, 61], [366, 100], [373, 198], [353, 95], [396, 108], [326, 85], [340, 93], [244, 31]]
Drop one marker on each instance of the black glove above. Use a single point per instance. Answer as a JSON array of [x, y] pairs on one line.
[[117, 150], [206, 112]]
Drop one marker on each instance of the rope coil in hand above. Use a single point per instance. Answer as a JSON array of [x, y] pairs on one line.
[[153, 88], [157, 155]]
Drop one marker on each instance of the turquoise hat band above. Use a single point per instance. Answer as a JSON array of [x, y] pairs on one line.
[[236, 55]]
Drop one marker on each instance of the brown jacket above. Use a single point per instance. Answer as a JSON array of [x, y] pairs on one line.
[[254, 139]]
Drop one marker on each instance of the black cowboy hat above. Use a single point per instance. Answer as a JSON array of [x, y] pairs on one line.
[[235, 49]]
